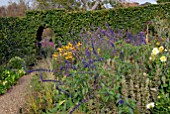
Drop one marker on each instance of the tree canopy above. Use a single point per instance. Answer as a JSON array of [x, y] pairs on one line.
[[76, 4]]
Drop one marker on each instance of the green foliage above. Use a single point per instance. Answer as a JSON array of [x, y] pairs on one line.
[[67, 25], [9, 78], [16, 40], [162, 1], [162, 26], [16, 63]]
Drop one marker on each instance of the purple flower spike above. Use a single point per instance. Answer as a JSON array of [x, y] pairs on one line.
[[121, 102], [121, 55], [88, 53], [61, 67], [94, 51], [66, 61], [142, 38], [112, 44]]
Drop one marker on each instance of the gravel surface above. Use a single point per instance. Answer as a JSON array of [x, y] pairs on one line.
[[11, 101]]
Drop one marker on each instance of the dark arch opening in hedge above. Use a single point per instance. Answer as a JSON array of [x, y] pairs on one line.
[[39, 33]]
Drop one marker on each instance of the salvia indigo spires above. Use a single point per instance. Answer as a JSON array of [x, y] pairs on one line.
[[142, 38], [121, 101], [121, 55], [88, 54]]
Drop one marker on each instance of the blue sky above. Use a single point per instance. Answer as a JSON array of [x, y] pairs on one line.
[[5, 2]]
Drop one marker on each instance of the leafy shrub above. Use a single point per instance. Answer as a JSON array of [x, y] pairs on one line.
[[9, 78], [16, 63]]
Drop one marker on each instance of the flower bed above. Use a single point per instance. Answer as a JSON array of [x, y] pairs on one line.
[[105, 72]]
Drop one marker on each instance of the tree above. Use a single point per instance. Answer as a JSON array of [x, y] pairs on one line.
[[76, 4], [146, 3], [14, 9]]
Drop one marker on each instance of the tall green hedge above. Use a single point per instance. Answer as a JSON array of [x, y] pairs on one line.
[[18, 35], [15, 40], [67, 25], [162, 1]]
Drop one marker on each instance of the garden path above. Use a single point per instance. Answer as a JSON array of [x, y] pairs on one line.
[[13, 100]]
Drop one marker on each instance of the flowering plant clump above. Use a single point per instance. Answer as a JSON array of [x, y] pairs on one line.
[[159, 63], [9, 78], [158, 52], [66, 52], [108, 72]]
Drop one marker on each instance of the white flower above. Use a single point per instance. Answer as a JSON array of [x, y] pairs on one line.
[[155, 51], [144, 74], [163, 59], [150, 58], [150, 105]]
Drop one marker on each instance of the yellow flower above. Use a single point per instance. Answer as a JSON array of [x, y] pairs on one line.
[[98, 50], [67, 47], [78, 44], [65, 53], [55, 58], [69, 57], [55, 55], [61, 54], [158, 43], [70, 45], [60, 49], [155, 51], [72, 48], [163, 59], [69, 53], [161, 48]]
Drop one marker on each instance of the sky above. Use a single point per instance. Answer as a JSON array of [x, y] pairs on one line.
[[5, 2]]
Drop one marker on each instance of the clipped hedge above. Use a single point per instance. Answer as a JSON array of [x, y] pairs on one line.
[[162, 1], [18, 35], [67, 25], [15, 40]]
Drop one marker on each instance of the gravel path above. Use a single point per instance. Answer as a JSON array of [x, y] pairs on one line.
[[11, 101]]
